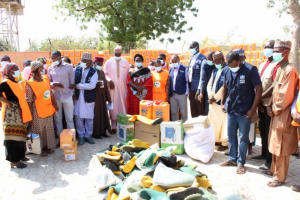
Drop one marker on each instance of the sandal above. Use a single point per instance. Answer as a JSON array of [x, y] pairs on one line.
[[44, 154], [274, 183], [228, 163], [220, 148], [49, 151], [267, 172], [24, 159], [20, 165], [240, 169]]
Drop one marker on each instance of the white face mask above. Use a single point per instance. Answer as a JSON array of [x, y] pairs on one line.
[[151, 67], [43, 72], [161, 61], [56, 63], [4, 63], [83, 65], [235, 69], [98, 67], [174, 65], [45, 66], [158, 69], [17, 73]]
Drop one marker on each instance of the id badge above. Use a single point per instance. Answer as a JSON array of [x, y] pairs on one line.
[[101, 83]]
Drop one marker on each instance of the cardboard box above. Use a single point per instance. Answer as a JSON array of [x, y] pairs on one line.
[[196, 123], [67, 138], [147, 133], [125, 132], [70, 154], [124, 119], [172, 134]]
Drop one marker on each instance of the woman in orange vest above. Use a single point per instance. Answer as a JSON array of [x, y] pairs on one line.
[[15, 115], [42, 105], [160, 83]]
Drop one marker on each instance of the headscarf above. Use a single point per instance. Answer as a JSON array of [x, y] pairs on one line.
[[8, 68], [42, 59], [35, 65], [26, 73]]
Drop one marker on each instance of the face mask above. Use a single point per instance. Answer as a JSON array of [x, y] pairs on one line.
[[158, 69], [4, 63], [219, 66], [161, 61], [117, 58], [277, 57], [138, 64], [17, 74], [43, 72], [56, 63], [151, 67], [83, 65], [193, 51], [210, 63], [45, 66], [268, 52], [98, 67], [174, 65]]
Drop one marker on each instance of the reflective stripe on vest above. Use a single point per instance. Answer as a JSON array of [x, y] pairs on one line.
[[20, 94], [43, 101]]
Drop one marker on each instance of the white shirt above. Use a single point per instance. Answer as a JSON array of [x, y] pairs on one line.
[[82, 109], [293, 108]]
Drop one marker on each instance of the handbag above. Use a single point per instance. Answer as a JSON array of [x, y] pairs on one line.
[[33, 144]]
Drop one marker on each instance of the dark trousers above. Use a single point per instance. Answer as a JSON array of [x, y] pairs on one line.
[[197, 108], [264, 127]]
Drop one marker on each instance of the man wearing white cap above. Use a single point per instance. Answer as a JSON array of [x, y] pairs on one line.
[[283, 140], [116, 70], [85, 94]]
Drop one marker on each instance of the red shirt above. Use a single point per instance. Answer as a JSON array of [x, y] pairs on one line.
[[265, 67]]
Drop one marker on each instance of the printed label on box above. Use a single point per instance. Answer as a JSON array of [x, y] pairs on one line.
[[70, 157]]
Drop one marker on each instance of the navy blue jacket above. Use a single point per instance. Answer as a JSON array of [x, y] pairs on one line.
[[198, 66], [240, 91], [181, 82], [89, 95]]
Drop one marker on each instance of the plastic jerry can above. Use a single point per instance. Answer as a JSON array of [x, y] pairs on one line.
[[210, 49], [245, 46], [261, 55], [65, 53], [146, 108], [248, 54], [132, 53], [205, 49], [161, 110], [77, 60], [77, 53], [255, 55], [149, 53], [71, 53], [106, 53], [253, 62], [144, 53]]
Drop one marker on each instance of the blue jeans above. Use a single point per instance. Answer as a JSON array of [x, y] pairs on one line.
[[242, 124]]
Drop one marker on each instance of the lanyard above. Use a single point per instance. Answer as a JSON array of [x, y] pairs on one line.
[[279, 72]]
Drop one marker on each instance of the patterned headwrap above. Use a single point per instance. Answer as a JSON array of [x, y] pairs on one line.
[[35, 65], [283, 44], [42, 59]]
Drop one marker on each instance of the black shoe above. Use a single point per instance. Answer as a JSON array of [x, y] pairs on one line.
[[265, 167], [81, 141], [89, 140], [97, 137], [295, 154], [105, 135], [258, 158]]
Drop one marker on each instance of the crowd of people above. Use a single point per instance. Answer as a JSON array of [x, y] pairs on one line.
[[231, 93]]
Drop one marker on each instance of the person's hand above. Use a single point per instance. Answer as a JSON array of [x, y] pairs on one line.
[[200, 97], [211, 100], [72, 86], [111, 85], [167, 99], [250, 113], [270, 112], [197, 94], [296, 117], [56, 108], [140, 89], [57, 84], [223, 109], [8, 106], [260, 108], [74, 98], [131, 66]]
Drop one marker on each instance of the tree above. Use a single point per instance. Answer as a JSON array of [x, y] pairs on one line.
[[126, 22], [291, 7]]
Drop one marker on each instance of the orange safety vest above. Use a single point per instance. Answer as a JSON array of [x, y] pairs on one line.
[[43, 101], [20, 94], [159, 85], [297, 107]]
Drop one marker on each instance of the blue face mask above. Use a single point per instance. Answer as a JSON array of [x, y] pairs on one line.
[[43, 72], [219, 66], [117, 58], [193, 51], [268, 53], [277, 57], [138, 64], [17, 74], [158, 69], [210, 63]]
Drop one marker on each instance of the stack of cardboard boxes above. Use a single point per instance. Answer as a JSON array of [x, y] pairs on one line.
[[69, 144]]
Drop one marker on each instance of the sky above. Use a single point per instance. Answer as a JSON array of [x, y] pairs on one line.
[[249, 20]]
